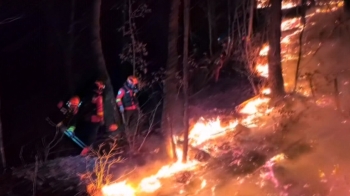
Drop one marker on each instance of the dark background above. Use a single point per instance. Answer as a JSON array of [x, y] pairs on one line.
[[32, 73]]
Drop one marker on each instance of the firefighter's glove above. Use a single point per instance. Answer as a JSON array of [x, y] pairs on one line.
[[59, 124], [121, 109], [71, 129]]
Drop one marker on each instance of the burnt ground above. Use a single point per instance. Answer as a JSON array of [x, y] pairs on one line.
[[62, 176], [221, 98]]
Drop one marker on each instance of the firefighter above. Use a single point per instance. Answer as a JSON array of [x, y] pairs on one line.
[[219, 65], [65, 116], [128, 106], [95, 117]]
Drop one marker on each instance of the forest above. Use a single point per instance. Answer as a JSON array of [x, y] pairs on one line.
[[176, 97]]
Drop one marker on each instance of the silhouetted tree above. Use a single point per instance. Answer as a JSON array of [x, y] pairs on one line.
[[65, 38], [212, 17], [185, 76], [275, 78], [98, 60], [347, 6], [2, 151], [170, 106]]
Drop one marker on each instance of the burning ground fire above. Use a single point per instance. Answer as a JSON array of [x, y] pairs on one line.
[[205, 130], [202, 132], [291, 29], [286, 4]]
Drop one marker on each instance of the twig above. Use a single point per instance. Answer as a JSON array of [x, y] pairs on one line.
[[173, 146], [53, 143], [116, 180], [35, 174], [336, 94], [150, 127], [21, 155], [11, 19]]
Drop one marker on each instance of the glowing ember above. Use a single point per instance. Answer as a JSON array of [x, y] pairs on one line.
[[285, 4], [118, 189], [262, 70], [278, 158], [253, 105], [291, 23], [266, 91], [330, 6], [264, 50], [150, 184], [203, 184], [203, 131]]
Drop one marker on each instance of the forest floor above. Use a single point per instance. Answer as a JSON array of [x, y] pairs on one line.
[[63, 176]]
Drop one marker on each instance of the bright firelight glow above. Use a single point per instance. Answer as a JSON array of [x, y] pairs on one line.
[[286, 4], [201, 132], [122, 190], [206, 130]]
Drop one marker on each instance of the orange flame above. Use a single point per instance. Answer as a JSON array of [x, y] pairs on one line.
[[204, 131], [200, 133]]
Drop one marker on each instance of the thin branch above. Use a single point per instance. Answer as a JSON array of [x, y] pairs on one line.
[[150, 127], [11, 19]]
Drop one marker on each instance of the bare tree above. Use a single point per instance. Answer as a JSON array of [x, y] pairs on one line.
[[70, 46], [132, 35], [134, 50], [246, 44], [211, 5], [303, 20], [251, 19], [275, 78], [186, 17], [98, 59], [2, 151], [66, 39], [170, 81]]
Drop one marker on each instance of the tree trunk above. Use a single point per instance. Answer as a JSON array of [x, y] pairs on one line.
[[303, 21], [2, 151], [251, 19], [170, 81], [69, 50], [185, 76], [98, 59], [132, 36], [347, 6], [275, 77], [210, 27]]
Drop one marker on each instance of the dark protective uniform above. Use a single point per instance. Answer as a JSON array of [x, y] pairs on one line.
[[126, 98], [64, 116]]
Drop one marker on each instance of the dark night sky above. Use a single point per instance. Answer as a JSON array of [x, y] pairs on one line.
[[32, 72], [32, 78]]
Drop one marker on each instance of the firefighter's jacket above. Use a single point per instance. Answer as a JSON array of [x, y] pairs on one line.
[[64, 116], [98, 113], [127, 98]]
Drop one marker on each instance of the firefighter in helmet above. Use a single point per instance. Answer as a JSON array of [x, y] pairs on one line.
[[128, 105], [68, 111], [96, 117]]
